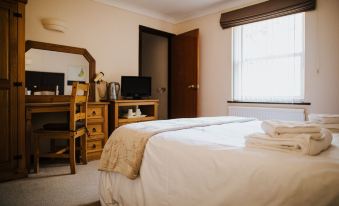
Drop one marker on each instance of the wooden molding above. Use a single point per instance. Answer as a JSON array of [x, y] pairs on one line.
[[72, 50], [265, 10]]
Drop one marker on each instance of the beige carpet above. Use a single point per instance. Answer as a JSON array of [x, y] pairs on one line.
[[54, 185]]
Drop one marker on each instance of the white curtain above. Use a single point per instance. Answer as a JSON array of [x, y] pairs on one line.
[[268, 60]]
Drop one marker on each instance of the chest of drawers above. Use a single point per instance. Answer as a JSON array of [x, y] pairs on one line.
[[97, 124]]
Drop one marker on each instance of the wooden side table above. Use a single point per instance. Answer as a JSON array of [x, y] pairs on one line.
[[118, 108]]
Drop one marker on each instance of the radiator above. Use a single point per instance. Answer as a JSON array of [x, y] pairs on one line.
[[264, 113]]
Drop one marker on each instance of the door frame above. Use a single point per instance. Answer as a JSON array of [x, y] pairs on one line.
[[168, 36]]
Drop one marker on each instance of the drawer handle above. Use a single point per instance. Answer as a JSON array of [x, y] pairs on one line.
[[94, 146], [94, 113], [94, 130]]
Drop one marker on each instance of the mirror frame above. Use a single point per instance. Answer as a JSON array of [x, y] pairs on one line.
[[72, 50]]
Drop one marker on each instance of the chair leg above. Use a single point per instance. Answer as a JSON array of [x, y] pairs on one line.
[[84, 149], [72, 154], [36, 153]]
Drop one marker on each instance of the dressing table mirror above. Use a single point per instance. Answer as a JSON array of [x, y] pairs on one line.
[[50, 70]]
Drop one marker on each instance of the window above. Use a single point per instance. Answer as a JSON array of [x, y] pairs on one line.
[[268, 60]]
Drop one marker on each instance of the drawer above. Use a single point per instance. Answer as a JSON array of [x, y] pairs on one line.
[[96, 137], [94, 155], [95, 112], [95, 129], [95, 145]]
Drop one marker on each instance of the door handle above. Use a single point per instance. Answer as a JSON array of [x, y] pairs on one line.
[[193, 86], [161, 90]]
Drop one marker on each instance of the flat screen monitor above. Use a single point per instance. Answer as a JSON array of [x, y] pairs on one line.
[[45, 81], [135, 87]]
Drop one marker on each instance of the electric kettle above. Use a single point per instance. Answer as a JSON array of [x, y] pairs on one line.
[[113, 90]]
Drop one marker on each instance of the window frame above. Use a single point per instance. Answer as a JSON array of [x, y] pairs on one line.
[[301, 100]]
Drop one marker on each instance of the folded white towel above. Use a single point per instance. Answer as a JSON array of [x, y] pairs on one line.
[[301, 143], [331, 127], [275, 127], [316, 135], [324, 118]]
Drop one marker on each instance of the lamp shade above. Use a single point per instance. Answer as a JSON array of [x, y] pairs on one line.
[[54, 24]]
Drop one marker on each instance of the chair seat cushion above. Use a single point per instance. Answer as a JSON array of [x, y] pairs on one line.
[[62, 126]]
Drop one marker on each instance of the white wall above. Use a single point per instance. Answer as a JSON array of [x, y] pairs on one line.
[[322, 49], [322, 57], [111, 35]]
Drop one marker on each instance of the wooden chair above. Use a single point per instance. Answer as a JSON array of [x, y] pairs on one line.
[[76, 128]]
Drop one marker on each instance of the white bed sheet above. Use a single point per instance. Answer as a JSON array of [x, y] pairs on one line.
[[210, 166]]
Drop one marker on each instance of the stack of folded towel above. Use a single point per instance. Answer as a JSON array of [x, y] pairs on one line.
[[300, 137], [328, 121]]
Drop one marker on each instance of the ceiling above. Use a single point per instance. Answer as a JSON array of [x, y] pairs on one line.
[[176, 11]]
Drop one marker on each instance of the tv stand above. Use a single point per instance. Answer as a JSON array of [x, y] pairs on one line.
[[118, 108]]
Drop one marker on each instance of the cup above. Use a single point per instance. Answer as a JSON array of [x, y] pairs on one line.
[[138, 112], [130, 113]]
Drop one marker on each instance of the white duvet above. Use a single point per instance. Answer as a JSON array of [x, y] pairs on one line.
[[210, 166]]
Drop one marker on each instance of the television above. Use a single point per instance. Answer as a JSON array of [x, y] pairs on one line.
[[45, 81], [135, 87]]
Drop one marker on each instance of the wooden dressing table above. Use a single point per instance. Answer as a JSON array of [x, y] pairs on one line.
[[97, 121], [97, 111]]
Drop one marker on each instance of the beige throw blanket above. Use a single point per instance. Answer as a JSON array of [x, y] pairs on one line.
[[124, 149]]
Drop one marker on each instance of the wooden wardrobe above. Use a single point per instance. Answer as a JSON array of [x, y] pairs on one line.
[[12, 89]]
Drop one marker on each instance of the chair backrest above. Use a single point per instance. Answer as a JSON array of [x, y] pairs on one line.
[[79, 98]]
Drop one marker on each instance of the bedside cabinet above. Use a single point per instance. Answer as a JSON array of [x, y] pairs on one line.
[[117, 108], [97, 125]]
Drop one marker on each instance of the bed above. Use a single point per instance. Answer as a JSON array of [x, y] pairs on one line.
[[209, 165]]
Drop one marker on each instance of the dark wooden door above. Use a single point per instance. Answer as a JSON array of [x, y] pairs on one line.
[[8, 92], [184, 75]]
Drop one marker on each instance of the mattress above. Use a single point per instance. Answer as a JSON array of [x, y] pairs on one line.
[[210, 166]]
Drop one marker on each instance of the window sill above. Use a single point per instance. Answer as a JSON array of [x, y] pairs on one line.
[[289, 103]]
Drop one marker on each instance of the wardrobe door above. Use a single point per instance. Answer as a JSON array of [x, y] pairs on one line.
[[8, 91]]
